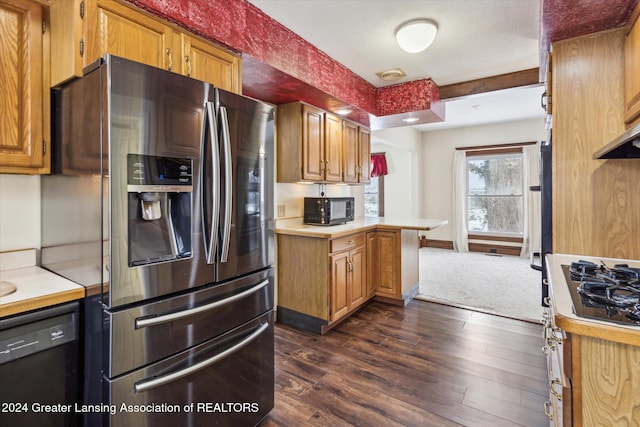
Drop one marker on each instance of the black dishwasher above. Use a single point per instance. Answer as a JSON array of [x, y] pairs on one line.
[[39, 367]]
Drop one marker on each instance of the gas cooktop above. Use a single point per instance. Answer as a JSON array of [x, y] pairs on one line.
[[602, 292]]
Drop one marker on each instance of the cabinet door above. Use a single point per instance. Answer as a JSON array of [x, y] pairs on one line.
[[350, 151], [631, 70], [358, 277], [388, 281], [22, 98], [117, 29], [339, 285], [333, 149], [66, 36], [208, 63], [373, 263], [312, 144], [364, 158]]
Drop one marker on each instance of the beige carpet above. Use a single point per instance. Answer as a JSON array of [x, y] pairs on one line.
[[502, 285]]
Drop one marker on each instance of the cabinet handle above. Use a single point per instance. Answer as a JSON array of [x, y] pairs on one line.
[[349, 242], [322, 165], [188, 61], [553, 391], [170, 59], [350, 266], [326, 166], [547, 410]]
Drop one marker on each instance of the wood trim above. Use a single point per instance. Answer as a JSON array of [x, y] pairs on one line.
[[489, 84], [495, 249], [576, 378], [490, 148], [477, 153], [495, 238], [432, 243], [635, 13], [381, 195]]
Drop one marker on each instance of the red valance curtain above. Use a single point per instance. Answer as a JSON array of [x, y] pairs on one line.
[[378, 164]]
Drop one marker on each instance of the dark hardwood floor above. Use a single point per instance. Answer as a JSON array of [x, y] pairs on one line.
[[422, 365]]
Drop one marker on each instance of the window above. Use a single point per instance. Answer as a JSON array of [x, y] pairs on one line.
[[374, 197], [495, 193]]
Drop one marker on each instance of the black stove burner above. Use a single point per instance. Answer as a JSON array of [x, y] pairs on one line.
[[605, 293]]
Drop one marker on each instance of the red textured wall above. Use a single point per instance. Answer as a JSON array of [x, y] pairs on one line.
[[244, 28]]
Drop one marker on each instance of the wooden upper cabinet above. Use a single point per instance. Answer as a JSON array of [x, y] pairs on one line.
[[24, 98], [364, 158], [350, 150], [99, 27], [208, 63], [317, 146], [312, 144], [116, 29], [632, 69], [356, 142]]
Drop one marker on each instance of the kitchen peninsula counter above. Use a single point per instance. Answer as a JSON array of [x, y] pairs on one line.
[[296, 227], [326, 273]]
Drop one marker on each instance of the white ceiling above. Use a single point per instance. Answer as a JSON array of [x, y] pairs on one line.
[[476, 39]]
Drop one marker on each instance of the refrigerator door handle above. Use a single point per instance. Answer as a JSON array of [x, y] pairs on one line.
[[150, 383], [210, 240], [228, 183], [144, 322]]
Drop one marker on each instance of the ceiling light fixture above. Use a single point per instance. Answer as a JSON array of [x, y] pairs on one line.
[[417, 35]]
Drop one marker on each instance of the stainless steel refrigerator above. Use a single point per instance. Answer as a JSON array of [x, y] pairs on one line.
[[161, 204]]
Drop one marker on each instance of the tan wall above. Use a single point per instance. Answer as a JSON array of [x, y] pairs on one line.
[[596, 202]]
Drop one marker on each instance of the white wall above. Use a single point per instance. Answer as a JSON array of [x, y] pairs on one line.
[[19, 212], [403, 184], [291, 197], [437, 162]]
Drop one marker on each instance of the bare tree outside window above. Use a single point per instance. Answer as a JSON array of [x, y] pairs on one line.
[[495, 194], [374, 197]]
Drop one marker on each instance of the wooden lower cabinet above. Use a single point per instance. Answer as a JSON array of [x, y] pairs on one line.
[[393, 265], [383, 276], [321, 281], [557, 348], [348, 281], [593, 381]]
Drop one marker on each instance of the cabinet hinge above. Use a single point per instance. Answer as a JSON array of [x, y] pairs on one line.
[[81, 10], [44, 147], [44, 26], [81, 47]]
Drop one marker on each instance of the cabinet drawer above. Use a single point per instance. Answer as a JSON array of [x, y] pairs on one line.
[[343, 243]]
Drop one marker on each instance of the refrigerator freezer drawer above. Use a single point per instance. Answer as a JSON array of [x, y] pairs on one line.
[[145, 334], [225, 381]]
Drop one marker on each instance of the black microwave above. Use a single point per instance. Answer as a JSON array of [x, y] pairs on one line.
[[328, 210]]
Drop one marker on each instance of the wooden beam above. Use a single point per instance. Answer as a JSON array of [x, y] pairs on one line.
[[490, 84]]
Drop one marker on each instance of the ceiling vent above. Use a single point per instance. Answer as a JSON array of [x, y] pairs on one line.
[[391, 75]]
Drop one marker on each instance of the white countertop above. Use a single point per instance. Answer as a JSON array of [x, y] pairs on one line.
[[563, 305], [295, 226], [35, 287]]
